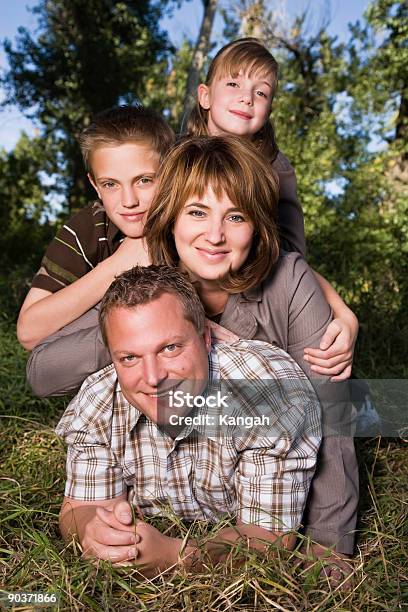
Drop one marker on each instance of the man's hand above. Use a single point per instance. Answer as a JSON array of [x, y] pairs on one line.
[[334, 357], [155, 552], [105, 530]]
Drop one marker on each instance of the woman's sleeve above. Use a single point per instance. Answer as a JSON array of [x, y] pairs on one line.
[[331, 510], [290, 213], [60, 364]]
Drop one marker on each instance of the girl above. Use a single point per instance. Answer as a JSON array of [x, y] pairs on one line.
[[236, 99]]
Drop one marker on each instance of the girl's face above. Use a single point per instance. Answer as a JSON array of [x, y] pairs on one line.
[[212, 236], [239, 106]]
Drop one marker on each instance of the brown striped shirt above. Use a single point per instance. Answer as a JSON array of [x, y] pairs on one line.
[[85, 240], [261, 475]]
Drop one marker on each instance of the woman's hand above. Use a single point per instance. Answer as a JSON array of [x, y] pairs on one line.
[[334, 357]]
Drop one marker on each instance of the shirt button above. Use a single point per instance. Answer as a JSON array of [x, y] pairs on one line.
[[182, 498]]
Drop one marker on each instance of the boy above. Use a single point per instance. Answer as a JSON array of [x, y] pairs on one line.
[[122, 149]]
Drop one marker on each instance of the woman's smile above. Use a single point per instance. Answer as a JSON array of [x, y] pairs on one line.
[[212, 236], [212, 255]]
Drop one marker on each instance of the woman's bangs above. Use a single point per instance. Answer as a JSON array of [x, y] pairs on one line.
[[210, 174]]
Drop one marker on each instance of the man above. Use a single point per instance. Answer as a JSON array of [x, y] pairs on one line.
[[128, 445]]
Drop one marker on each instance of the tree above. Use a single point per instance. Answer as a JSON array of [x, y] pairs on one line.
[[24, 214], [88, 56], [200, 53]]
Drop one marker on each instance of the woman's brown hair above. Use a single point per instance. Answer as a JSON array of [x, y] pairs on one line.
[[229, 165], [252, 56]]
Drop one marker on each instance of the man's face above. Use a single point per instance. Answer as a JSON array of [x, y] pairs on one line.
[[125, 180], [155, 349]]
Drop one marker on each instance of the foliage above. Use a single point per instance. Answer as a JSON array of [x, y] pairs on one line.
[[86, 57], [176, 85], [24, 218], [341, 114]]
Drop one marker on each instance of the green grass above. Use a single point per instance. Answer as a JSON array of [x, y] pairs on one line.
[[33, 557]]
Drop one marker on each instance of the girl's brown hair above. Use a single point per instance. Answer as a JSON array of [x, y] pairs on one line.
[[228, 165], [251, 55]]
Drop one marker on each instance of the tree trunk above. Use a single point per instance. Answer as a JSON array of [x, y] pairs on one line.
[[200, 53]]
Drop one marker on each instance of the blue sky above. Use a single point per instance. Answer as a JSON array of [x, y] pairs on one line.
[[184, 22]]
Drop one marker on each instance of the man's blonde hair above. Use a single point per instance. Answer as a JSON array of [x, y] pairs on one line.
[[252, 57], [228, 165], [141, 285]]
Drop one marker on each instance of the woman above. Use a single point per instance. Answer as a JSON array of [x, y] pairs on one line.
[[214, 216]]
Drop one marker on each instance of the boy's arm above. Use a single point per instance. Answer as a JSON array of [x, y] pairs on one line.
[[334, 356], [43, 312]]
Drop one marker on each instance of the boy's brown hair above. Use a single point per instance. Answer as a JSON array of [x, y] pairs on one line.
[[251, 56], [228, 165], [123, 124]]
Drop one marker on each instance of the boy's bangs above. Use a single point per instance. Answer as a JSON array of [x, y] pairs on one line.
[[253, 62]]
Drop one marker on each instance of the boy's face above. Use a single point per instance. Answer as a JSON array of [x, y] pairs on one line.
[[124, 177]]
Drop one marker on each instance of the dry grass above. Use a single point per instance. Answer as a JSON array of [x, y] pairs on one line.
[[33, 557]]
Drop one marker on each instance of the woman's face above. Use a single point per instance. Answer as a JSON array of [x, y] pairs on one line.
[[212, 236]]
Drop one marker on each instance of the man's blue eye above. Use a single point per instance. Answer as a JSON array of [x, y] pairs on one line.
[[170, 348], [127, 359]]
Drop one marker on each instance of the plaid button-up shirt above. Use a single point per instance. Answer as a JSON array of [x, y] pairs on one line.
[[261, 475]]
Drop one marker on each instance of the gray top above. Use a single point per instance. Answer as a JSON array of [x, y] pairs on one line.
[[290, 214], [288, 310]]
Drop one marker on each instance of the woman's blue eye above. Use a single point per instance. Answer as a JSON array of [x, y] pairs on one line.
[[196, 213], [236, 218]]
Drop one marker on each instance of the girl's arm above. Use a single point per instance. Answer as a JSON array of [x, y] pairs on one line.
[[334, 357], [290, 214]]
